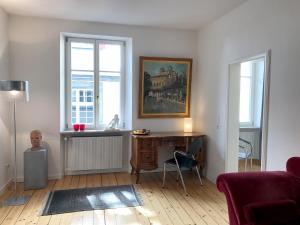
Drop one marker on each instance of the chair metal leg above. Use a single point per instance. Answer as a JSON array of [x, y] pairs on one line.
[[197, 169], [251, 162], [246, 160], [181, 178], [164, 177]]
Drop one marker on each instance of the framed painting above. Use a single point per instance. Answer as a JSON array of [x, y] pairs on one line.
[[165, 87]]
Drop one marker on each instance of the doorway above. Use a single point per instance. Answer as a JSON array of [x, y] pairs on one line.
[[247, 122]]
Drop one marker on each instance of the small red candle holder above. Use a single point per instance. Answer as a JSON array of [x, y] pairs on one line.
[[76, 126], [82, 126]]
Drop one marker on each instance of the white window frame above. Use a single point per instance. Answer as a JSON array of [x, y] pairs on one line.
[[252, 102], [68, 92]]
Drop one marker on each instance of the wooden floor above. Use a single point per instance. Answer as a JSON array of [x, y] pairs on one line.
[[255, 166], [204, 205]]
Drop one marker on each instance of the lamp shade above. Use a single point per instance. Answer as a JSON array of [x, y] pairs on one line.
[[14, 89], [188, 125]]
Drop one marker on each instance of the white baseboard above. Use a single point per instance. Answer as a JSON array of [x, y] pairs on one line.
[[50, 177], [5, 186], [81, 172]]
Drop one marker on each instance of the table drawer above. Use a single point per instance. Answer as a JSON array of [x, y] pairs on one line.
[[147, 157], [146, 144]]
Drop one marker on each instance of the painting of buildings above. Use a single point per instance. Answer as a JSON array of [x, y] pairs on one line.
[[165, 87]]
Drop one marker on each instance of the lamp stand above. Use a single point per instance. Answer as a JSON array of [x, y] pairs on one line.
[[16, 199]]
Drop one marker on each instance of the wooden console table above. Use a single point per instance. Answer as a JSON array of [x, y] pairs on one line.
[[144, 149]]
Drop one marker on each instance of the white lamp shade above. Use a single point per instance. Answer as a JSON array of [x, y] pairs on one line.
[[12, 90], [188, 125]]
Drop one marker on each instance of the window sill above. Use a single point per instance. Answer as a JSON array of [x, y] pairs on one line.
[[91, 133], [249, 129]]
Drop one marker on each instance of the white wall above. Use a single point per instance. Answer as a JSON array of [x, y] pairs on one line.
[[249, 30], [4, 106], [34, 45]]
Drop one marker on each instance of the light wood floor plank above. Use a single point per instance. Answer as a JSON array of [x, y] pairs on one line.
[[161, 198], [82, 181], [204, 206], [98, 217], [190, 200], [194, 189], [177, 191], [181, 209]]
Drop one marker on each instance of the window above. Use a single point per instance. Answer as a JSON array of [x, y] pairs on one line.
[[251, 92], [95, 76], [246, 94]]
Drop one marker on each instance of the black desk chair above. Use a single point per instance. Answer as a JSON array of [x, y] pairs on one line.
[[185, 160]]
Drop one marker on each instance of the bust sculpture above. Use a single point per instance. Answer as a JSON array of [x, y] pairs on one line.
[[36, 139]]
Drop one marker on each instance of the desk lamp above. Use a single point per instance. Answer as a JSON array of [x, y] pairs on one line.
[[188, 125]]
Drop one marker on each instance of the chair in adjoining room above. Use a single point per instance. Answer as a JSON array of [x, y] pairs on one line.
[[245, 151], [263, 198], [186, 160]]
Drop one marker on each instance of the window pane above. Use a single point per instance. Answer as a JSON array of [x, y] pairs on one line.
[[110, 57], [82, 120], [73, 96], [246, 69], [83, 84], [89, 120], [89, 114], [245, 100], [82, 56], [109, 92]]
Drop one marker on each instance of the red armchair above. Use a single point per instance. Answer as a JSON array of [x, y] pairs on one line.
[[263, 198]]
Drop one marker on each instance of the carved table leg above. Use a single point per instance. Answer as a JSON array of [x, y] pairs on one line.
[[132, 170], [137, 176]]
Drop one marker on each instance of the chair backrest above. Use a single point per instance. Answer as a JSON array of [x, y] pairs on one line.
[[245, 147], [195, 147]]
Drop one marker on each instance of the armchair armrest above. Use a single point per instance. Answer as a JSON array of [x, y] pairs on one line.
[[272, 212]]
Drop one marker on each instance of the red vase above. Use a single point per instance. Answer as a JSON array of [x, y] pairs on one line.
[[82, 126], [76, 126]]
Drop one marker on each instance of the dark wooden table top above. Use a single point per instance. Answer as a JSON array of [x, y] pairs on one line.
[[168, 135]]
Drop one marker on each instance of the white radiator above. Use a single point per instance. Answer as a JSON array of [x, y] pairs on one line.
[[94, 153]]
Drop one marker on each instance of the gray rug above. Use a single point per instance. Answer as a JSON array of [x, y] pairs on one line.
[[74, 200]]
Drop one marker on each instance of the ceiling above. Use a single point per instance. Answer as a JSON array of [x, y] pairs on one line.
[[181, 14]]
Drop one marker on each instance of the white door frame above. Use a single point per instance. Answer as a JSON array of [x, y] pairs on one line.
[[232, 126]]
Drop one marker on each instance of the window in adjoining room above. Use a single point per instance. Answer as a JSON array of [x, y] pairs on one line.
[[251, 83], [95, 81]]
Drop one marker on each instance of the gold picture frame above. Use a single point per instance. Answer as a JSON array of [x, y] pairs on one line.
[[165, 87]]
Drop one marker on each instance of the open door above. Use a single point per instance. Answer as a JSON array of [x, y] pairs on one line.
[[247, 115], [233, 118]]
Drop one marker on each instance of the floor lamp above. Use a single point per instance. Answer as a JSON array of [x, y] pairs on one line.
[[14, 91]]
